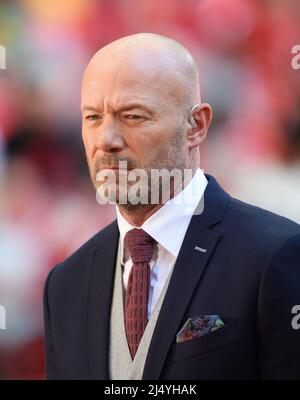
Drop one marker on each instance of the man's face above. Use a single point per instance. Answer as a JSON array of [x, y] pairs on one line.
[[131, 114]]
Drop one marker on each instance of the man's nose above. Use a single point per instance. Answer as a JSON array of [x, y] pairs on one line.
[[109, 138]]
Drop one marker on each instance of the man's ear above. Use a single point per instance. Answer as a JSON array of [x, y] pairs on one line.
[[200, 119]]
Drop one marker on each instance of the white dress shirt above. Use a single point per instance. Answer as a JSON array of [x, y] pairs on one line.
[[167, 226]]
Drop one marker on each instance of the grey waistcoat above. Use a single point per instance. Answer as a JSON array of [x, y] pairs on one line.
[[121, 365]]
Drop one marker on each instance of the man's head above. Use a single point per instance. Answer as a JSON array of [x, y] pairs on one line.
[[137, 94]]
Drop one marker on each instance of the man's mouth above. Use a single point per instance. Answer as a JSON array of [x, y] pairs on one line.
[[110, 167]]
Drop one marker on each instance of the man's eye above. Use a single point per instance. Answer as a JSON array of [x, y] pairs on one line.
[[93, 117], [133, 116]]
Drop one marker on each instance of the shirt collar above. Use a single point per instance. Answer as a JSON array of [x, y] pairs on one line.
[[169, 223]]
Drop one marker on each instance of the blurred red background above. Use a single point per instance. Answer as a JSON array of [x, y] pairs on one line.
[[47, 203]]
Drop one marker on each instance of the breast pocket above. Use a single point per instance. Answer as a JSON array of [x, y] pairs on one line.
[[205, 344]]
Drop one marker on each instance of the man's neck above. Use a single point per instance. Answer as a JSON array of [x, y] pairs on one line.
[[140, 214]]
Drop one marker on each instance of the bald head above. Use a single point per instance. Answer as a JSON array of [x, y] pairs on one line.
[[160, 64]]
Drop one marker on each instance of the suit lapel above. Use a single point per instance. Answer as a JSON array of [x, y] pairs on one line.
[[100, 296], [188, 270]]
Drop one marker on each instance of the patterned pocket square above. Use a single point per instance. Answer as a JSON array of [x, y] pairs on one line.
[[199, 326]]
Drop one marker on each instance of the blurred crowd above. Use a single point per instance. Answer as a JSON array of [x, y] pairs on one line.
[[48, 207]]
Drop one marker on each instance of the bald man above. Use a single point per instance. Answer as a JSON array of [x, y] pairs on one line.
[[196, 285]]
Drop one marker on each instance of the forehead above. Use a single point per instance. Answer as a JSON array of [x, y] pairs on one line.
[[122, 83]]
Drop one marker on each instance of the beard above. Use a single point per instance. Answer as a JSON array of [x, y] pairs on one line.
[[140, 193]]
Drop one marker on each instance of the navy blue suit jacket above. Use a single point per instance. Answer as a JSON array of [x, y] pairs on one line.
[[249, 276]]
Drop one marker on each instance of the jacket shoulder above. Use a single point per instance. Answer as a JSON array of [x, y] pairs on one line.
[[268, 225], [79, 260]]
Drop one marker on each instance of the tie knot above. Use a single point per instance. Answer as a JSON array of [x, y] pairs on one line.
[[140, 245]]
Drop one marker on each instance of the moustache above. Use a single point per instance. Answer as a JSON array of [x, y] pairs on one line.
[[110, 162]]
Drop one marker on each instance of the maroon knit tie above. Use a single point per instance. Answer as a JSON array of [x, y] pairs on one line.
[[140, 246]]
